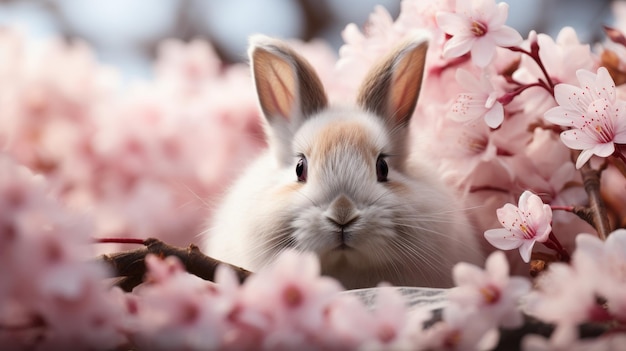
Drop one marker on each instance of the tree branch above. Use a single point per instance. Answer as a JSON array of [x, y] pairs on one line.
[[130, 265], [591, 181]]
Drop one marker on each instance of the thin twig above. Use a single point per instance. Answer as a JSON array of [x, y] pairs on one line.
[[130, 265]]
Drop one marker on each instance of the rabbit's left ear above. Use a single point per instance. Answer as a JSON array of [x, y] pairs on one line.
[[391, 89]]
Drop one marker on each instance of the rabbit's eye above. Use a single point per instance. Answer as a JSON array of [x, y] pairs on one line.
[[301, 169], [381, 169]]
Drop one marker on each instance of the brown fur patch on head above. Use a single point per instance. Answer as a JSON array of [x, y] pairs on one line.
[[287, 190], [343, 135], [398, 187]]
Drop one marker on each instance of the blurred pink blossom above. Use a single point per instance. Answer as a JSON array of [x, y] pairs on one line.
[[477, 27], [46, 276], [567, 294], [608, 257], [460, 330], [611, 342], [492, 292], [83, 155], [524, 225]]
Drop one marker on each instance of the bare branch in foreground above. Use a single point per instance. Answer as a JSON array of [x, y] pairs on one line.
[[131, 268]]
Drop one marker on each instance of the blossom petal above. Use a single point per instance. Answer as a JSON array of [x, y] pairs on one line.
[[620, 123], [506, 36], [498, 16], [589, 244], [468, 81], [600, 85], [483, 50], [512, 319], [523, 200], [604, 84], [577, 140], [526, 249], [457, 46], [497, 266], [452, 23], [502, 239], [604, 150], [616, 244], [586, 79], [583, 158], [559, 115], [467, 274], [507, 215], [495, 116], [467, 107], [572, 98]]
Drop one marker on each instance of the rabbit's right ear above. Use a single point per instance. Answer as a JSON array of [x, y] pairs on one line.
[[288, 88]]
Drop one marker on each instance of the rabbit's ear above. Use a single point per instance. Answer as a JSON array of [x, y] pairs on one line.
[[288, 88], [391, 89]]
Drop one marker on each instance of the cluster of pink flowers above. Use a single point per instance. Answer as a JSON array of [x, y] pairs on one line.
[[147, 158], [503, 119], [516, 111], [51, 296]]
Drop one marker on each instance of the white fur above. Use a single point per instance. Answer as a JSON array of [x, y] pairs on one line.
[[408, 230]]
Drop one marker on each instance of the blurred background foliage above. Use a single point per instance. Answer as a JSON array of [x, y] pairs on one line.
[[126, 33]]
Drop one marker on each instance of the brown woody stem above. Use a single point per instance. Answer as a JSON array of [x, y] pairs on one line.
[[130, 265], [591, 182]]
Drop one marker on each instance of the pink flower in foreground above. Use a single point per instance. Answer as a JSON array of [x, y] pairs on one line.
[[480, 101], [477, 27], [567, 294], [492, 292], [292, 296], [609, 258], [482, 301], [596, 116], [524, 225]]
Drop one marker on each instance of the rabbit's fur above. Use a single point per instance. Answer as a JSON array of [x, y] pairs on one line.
[[366, 226]]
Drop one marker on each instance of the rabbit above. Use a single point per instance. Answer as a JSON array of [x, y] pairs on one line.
[[338, 180]]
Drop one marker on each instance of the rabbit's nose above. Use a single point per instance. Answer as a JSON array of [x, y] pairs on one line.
[[342, 212]]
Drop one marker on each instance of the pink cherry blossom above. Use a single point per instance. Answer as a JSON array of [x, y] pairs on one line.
[[524, 225], [290, 295], [610, 342], [150, 158], [596, 117], [562, 296], [561, 57], [482, 301], [608, 257], [49, 285], [492, 292], [481, 100], [461, 329], [478, 27], [567, 293]]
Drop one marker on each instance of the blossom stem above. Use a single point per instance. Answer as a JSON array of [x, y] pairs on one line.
[[509, 96], [120, 241], [534, 54], [554, 244]]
